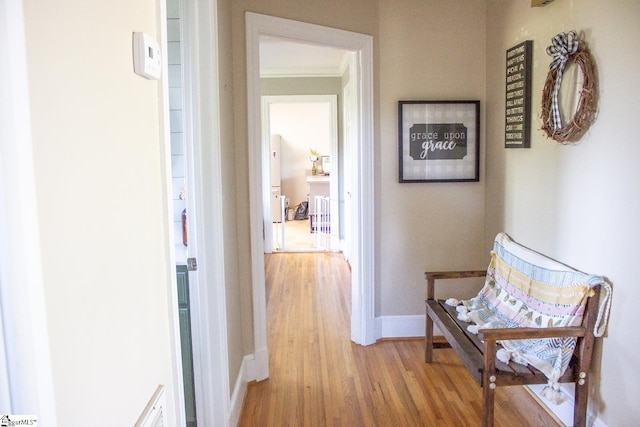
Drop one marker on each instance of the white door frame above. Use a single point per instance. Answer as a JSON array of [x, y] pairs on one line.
[[203, 164], [362, 253], [350, 137], [334, 182]]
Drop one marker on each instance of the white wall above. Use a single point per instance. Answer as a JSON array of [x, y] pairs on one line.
[[101, 195], [429, 50], [576, 203]]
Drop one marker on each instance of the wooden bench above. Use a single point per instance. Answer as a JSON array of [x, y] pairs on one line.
[[478, 352]]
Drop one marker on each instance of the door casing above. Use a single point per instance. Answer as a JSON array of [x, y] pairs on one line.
[[359, 182]]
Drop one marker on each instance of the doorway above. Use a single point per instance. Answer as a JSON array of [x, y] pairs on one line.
[[358, 182], [303, 202]]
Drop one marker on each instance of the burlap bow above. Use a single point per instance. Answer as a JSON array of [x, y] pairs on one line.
[[562, 47]]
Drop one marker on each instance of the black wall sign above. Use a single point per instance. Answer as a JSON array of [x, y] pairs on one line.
[[518, 96]]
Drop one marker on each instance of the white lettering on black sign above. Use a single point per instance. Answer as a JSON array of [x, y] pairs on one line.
[[438, 141], [518, 95]]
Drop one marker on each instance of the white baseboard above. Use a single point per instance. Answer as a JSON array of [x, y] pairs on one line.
[[400, 326], [249, 368], [240, 390], [260, 365], [564, 411]]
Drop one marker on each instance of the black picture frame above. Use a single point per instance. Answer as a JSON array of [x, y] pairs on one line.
[[439, 141]]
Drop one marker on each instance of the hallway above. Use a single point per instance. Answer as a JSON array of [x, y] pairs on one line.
[[320, 378]]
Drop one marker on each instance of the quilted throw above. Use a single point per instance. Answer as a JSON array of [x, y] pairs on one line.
[[526, 289]]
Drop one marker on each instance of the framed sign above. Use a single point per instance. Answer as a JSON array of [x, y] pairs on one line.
[[517, 126], [439, 141]]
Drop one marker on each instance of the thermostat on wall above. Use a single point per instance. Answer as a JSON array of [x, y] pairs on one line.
[[146, 56]]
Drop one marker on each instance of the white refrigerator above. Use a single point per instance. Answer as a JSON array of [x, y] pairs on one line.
[[277, 213]]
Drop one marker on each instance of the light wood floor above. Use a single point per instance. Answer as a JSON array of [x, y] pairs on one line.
[[297, 235], [318, 377]]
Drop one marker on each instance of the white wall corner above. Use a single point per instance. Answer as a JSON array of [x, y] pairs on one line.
[[400, 326], [261, 364], [256, 366]]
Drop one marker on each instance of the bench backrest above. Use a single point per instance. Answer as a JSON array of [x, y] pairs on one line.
[[524, 288], [527, 289]]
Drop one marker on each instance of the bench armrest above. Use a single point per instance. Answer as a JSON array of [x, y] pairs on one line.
[[432, 276], [526, 333]]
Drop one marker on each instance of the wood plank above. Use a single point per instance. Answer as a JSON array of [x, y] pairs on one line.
[[436, 275], [464, 347], [527, 333], [505, 369]]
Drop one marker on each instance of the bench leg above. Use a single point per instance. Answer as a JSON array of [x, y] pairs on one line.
[[580, 403], [428, 338], [488, 383], [488, 398]]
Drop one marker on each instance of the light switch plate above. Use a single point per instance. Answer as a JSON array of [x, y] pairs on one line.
[[146, 56]]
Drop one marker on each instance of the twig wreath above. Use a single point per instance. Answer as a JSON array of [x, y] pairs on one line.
[[565, 49]]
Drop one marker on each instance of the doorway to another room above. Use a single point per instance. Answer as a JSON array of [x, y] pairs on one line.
[[304, 204], [358, 180]]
